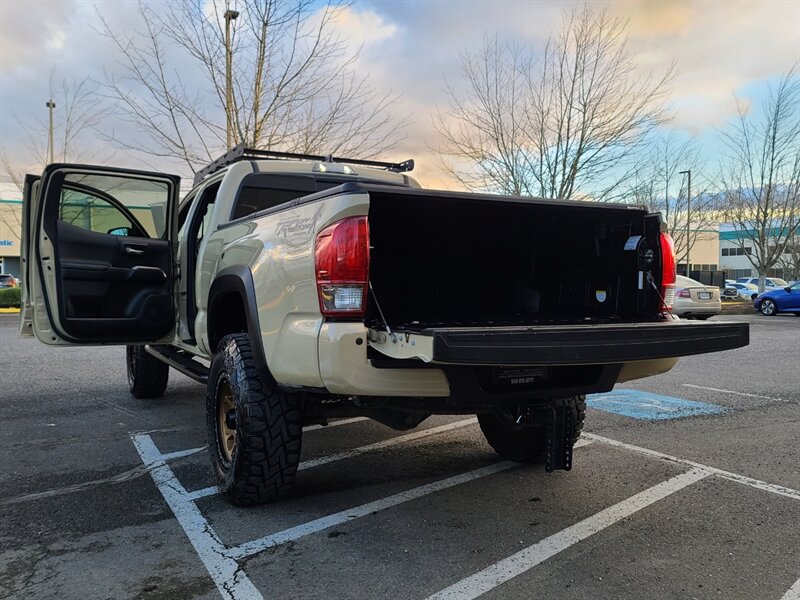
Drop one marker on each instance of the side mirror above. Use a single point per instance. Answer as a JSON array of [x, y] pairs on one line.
[[788, 289], [123, 231]]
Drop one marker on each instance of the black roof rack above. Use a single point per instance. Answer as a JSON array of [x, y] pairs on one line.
[[241, 153]]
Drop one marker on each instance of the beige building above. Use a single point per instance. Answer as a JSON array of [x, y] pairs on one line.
[[704, 255]]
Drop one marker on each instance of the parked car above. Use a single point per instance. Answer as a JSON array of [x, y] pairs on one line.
[[694, 300], [7, 281], [745, 291], [769, 282], [786, 299]]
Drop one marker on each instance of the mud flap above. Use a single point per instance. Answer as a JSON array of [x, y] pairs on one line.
[[561, 420]]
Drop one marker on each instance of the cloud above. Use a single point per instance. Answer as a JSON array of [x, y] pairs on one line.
[[717, 47], [363, 26], [25, 27]]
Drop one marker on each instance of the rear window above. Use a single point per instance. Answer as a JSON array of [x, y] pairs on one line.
[[261, 191], [5, 278]]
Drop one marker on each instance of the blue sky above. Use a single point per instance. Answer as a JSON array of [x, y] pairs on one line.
[[413, 47]]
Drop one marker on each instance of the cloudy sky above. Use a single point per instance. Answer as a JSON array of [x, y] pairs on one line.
[[720, 48]]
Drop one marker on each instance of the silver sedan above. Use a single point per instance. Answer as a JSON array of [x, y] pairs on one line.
[[694, 300]]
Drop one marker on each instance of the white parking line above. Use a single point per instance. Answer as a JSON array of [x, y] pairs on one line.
[[335, 423], [793, 593], [516, 564], [230, 580], [221, 561], [323, 460], [350, 514], [711, 389], [410, 437], [756, 483]]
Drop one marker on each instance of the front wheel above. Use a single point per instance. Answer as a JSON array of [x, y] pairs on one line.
[[768, 308], [524, 443], [147, 376], [254, 431]]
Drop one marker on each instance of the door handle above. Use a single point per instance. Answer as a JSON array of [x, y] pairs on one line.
[[133, 251]]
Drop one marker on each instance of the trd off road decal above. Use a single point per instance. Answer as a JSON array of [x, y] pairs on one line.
[[294, 225]]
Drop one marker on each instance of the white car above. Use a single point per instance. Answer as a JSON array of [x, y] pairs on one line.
[[745, 291], [770, 283], [693, 300]]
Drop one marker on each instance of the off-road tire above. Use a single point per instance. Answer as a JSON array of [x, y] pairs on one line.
[[268, 427], [147, 376], [526, 443]]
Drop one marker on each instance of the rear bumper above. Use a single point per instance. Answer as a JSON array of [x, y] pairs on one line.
[[583, 344]]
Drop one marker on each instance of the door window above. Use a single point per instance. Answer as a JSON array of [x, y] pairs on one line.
[[115, 205]]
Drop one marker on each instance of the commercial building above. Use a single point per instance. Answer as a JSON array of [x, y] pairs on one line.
[[734, 256], [10, 228]]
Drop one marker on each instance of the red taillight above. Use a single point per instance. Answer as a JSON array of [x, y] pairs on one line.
[[341, 261], [668, 270], [683, 294]]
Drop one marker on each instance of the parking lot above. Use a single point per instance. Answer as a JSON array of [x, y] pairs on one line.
[[106, 496]]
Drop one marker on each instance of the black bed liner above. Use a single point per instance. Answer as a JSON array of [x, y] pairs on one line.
[[583, 344]]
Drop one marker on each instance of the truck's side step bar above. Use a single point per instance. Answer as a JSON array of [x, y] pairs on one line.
[[180, 361]]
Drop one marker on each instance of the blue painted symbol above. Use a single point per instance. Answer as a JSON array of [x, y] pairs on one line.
[[654, 407]]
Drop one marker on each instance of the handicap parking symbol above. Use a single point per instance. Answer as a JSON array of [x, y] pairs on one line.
[[653, 407]]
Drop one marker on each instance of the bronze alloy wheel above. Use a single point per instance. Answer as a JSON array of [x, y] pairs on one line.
[[254, 430], [226, 416]]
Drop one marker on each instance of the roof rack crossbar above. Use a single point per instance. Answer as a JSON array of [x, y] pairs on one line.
[[239, 153]]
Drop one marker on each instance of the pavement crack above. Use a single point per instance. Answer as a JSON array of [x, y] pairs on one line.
[[124, 476]]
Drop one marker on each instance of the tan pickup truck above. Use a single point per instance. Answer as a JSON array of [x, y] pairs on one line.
[[304, 288]]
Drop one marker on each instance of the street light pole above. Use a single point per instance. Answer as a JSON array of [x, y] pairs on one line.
[[688, 214], [230, 15], [50, 105]]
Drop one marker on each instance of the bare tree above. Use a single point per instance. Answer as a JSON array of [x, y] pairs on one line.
[[78, 113], [656, 176], [789, 262], [294, 83], [561, 123], [761, 178]]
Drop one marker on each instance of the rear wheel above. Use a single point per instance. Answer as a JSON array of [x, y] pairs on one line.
[[254, 431], [524, 443], [768, 308], [147, 376]]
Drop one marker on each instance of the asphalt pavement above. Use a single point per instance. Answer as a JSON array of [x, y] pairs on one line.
[[106, 496]]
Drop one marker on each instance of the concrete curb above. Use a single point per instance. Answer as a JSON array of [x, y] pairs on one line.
[[737, 308]]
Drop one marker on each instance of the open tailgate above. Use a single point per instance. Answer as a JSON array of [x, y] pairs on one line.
[[561, 344]]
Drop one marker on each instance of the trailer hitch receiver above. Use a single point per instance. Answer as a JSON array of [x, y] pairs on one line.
[[561, 420]]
